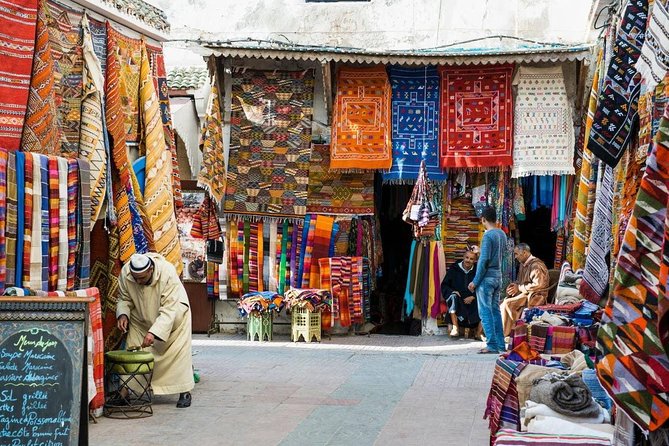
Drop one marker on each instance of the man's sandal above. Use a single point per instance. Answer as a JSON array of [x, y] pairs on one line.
[[184, 400]]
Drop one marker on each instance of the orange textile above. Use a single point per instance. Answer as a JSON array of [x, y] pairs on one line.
[[361, 120]]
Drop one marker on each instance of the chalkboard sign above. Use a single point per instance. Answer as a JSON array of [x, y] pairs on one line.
[[41, 365]]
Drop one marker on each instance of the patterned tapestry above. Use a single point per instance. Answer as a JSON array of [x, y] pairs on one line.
[[334, 192], [634, 368], [415, 124], [653, 61], [543, 134], [41, 133], [270, 143], [476, 117], [158, 198], [129, 52], [16, 61], [361, 120], [66, 48], [460, 229], [212, 175], [618, 99]]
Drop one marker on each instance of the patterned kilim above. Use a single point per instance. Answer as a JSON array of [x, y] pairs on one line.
[[460, 230], [543, 135], [335, 192], [270, 145], [361, 120], [129, 53], [3, 218], [596, 273], [66, 49], [617, 106], [99, 34], [41, 132], [415, 124], [92, 141], [634, 368], [160, 82], [212, 175], [82, 278], [115, 119], [653, 61], [476, 117], [342, 276], [18, 22], [158, 197], [663, 298]]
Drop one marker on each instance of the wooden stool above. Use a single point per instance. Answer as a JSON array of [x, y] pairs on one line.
[[260, 326], [305, 323], [128, 384]]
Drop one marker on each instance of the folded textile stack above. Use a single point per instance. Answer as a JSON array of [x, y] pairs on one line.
[[259, 303], [311, 299], [507, 437], [566, 395], [585, 315]]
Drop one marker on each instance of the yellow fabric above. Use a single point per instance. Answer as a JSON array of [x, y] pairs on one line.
[[158, 198], [162, 308], [431, 290]]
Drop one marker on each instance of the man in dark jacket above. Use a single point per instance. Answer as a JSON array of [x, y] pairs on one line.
[[461, 302]]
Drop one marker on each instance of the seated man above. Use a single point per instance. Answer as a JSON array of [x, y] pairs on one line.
[[530, 290], [462, 305]]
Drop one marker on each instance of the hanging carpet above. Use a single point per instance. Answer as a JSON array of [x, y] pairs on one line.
[[476, 117], [335, 192], [618, 99], [634, 368], [415, 124], [543, 134], [212, 175], [18, 22], [270, 143], [653, 61], [361, 120]]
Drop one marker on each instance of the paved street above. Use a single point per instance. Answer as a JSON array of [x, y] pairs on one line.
[[356, 390]]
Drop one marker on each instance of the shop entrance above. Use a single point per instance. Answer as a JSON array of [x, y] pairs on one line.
[[536, 232], [396, 238]]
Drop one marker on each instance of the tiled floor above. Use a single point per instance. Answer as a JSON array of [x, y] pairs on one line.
[[354, 390]]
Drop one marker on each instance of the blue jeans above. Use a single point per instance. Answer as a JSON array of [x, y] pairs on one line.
[[487, 296]]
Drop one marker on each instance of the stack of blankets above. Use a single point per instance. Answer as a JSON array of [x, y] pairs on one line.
[[558, 329], [568, 285], [259, 303], [533, 397], [311, 299]]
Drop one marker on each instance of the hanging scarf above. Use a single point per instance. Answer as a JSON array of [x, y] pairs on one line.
[[84, 214], [35, 280], [54, 222], [72, 209], [12, 220], [212, 176], [63, 230], [44, 218], [20, 225], [28, 217]]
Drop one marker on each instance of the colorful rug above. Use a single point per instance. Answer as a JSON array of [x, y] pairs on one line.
[[16, 60], [66, 49], [415, 124], [92, 140], [342, 276], [634, 369], [663, 298], [460, 229], [82, 279], [158, 197], [12, 221], [502, 408], [543, 135], [476, 117], [618, 99], [63, 222], [41, 133], [212, 177], [99, 35], [361, 120], [335, 192], [270, 144], [596, 274], [653, 61], [129, 51]]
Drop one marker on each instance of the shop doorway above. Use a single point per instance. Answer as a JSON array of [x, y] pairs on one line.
[[536, 231], [396, 239]]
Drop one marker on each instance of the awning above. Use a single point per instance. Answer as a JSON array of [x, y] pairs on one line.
[[504, 53]]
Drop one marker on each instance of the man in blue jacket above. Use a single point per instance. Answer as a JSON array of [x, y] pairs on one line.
[[488, 282]]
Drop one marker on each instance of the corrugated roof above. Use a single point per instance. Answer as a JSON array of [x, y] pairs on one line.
[[187, 78], [436, 56]]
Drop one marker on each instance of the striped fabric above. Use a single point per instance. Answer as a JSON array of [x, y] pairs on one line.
[[3, 218], [41, 132], [35, 266], [28, 216], [95, 322], [44, 173], [12, 221], [508, 437], [343, 277], [54, 225], [92, 137], [84, 234], [16, 60], [72, 201], [634, 368], [502, 409], [63, 232], [158, 197], [20, 200]]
